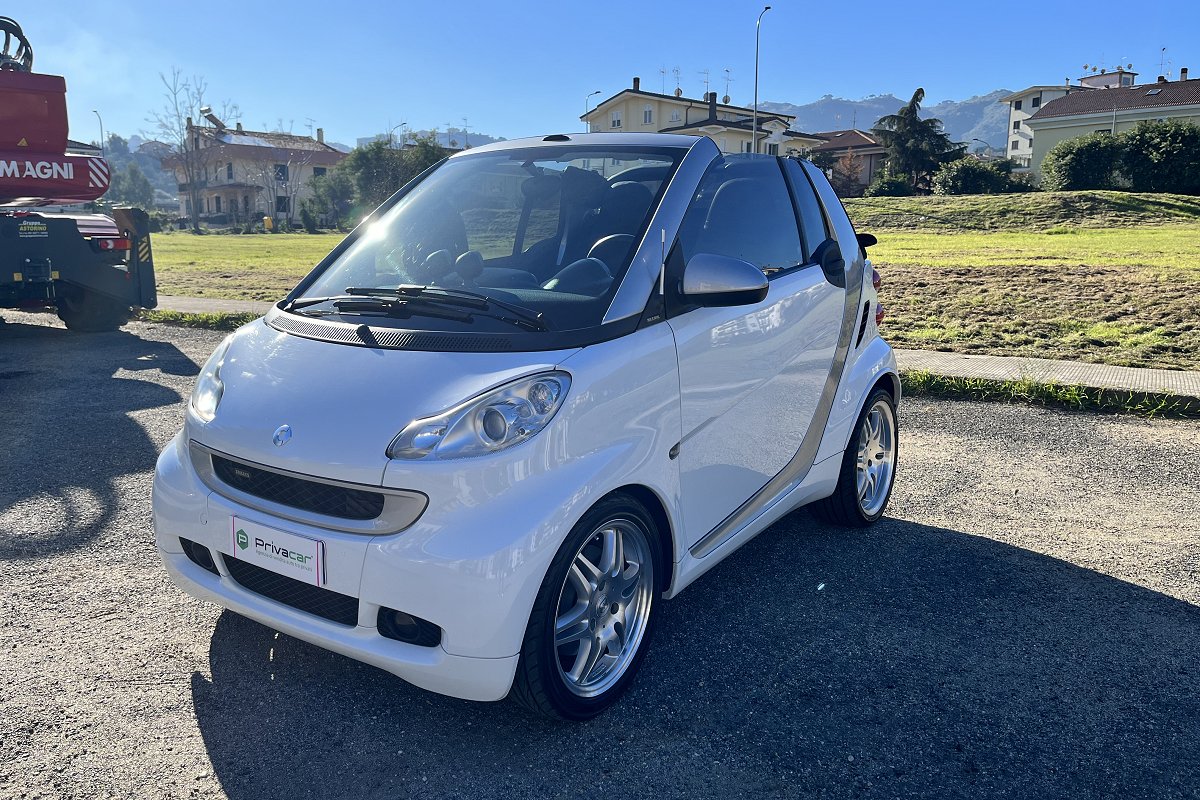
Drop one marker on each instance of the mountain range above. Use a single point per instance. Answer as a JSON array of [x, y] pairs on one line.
[[979, 117]]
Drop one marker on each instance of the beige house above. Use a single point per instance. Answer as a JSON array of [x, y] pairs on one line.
[[1112, 110], [242, 175], [729, 126]]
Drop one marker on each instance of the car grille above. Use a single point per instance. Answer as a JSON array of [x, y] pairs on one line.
[[319, 498], [301, 596]]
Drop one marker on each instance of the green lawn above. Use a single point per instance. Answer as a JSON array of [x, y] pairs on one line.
[[1109, 277], [249, 267]]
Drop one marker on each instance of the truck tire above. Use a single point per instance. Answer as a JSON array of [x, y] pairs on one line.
[[89, 312]]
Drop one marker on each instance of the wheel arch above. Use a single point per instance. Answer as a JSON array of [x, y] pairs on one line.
[[654, 504]]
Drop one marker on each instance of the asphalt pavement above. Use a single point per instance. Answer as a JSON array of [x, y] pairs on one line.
[[1023, 624]]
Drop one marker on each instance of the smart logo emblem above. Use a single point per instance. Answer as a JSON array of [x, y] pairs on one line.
[[283, 435], [243, 541]]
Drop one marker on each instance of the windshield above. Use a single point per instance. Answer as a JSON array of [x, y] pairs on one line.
[[546, 230]]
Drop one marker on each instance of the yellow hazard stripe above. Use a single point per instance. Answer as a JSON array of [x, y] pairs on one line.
[[144, 250]]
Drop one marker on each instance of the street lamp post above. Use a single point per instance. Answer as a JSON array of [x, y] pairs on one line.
[[754, 123], [392, 139], [586, 104], [97, 113]]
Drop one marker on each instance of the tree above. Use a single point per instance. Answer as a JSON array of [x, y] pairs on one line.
[[333, 195], [915, 147], [378, 169], [131, 186], [187, 152], [1085, 162], [1162, 157], [846, 174]]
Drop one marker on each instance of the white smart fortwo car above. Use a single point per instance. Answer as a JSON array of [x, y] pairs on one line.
[[544, 387]]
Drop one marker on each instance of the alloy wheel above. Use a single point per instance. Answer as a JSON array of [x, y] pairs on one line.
[[604, 607], [876, 457]]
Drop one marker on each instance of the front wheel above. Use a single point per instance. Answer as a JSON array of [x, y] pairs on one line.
[[593, 615], [868, 467]]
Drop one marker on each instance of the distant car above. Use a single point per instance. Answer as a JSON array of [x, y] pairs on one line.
[[546, 385]]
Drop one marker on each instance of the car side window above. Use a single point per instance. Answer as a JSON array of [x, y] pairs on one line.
[[743, 210], [812, 218]]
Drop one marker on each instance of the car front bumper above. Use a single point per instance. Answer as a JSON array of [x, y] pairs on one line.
[[376, 570]]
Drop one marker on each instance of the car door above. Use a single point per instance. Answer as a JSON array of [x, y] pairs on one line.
[[750, 376]]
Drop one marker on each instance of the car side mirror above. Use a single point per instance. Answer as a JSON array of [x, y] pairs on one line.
[[713, 280], [866, 240], [829, 256]]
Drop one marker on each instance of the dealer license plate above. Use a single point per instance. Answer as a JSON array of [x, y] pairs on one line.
[[281, 552]]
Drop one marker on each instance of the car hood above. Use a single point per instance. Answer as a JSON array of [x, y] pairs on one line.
[[344, 404]]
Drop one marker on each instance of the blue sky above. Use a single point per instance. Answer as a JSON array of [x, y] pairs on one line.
[[516, 69]]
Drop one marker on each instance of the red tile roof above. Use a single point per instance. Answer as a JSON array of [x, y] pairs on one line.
[[842, 140], [1127, 98]]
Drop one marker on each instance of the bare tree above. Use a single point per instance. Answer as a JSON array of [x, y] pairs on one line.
[[187, 148], [187, 152], [279, 172]]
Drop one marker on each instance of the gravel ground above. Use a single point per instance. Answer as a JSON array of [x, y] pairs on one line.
[[1024, 624]]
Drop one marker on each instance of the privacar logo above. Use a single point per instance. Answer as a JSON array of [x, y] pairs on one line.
[[242, 539]]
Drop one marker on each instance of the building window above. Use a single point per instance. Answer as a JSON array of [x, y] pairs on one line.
[[281, 172], [281, 204], [675, 115], [217, 204], [245, 204], [1017, 125], [1016, 105], [1035, 102], [647, 115], [318, 172], [195, 142], [1014, 145], [614, 121], [772, 149], [229, 171]]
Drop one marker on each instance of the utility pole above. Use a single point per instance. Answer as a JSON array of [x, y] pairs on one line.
[[754, 123]]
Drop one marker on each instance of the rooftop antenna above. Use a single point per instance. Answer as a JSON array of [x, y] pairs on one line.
[[707, 80], [662, 71], [1162, 60], [308, 123], [678, 91], [466, 140], [728, 80]]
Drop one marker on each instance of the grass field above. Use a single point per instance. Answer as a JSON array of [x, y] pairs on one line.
[[252, 267], [1058, 286], [1108, 277]]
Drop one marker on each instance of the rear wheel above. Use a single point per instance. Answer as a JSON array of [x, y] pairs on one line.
[[868, 467], [89, 312], [593, 615]]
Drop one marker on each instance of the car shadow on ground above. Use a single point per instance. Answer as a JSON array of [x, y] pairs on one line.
[[907, 660], [68, 433]]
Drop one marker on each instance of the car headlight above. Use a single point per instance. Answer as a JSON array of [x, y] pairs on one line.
[[209, 388], [501, 418]]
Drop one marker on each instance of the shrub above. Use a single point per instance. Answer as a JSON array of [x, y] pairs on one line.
[[970, 176], [886, 185], [307, 218], [1162, 157], [1085, 162]]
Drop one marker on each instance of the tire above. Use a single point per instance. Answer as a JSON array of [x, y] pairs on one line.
[[613, 613], [852, 504], [88, 312]]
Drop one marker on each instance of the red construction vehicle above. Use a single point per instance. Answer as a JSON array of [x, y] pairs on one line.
[[93, 269]]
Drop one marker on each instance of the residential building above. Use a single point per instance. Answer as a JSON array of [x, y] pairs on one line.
[[867, 150], [729, 126], [1021, 106], [242, 175], [1113, 110]]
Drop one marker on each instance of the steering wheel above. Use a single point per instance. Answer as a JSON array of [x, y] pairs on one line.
[[17, 54]]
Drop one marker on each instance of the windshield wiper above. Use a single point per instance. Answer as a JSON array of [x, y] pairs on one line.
[[357, 300], [463, 298]]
